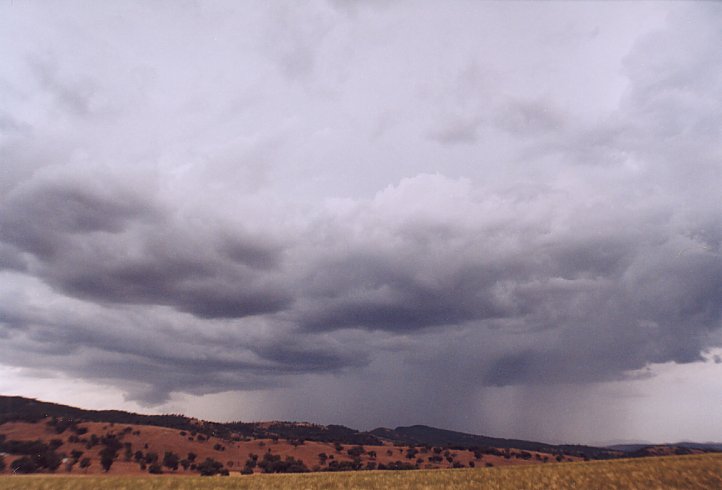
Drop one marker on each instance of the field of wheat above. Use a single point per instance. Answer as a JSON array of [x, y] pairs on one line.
[[673, 472]]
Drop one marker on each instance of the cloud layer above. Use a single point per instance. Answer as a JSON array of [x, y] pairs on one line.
[[203, 199]]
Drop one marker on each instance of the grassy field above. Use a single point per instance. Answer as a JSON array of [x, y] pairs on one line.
[[673, 472]]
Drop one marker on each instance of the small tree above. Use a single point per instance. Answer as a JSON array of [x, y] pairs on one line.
[[106, 461], [85, 464], [24, 465], [171, 460], [128, 455]]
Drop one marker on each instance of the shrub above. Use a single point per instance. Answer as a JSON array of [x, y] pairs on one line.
[[210, 467], [272, 463], [55, 443], [171, 460], [24, 465], [356, 451], [155, 469], [107, 456]]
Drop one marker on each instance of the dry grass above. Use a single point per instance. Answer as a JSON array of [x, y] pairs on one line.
[[673, 472]]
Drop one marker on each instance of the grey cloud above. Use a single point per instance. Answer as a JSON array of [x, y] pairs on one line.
[[100, 241], [529, 118], [458, 130]]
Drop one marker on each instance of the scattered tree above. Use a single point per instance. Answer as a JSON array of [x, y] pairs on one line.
[[171, 460]]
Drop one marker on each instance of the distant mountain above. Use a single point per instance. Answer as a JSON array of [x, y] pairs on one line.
[[422, 434], [635, 448], [705, 446]]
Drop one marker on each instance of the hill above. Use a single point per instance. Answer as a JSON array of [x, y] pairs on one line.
[[37, 436], [422, 434]]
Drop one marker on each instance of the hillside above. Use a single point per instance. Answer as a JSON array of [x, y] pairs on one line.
[[37, 436], [421, 434]]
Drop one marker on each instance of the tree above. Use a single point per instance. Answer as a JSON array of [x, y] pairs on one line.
[[171, 460], [128, 451], [24, 465], [356, 451], [210, 467], [106, 460], [85, 464], [2, 462], [155, 469]]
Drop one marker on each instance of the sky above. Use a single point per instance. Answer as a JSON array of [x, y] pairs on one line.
[[499, 218]]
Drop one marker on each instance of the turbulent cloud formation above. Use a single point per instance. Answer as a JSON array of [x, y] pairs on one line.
[[431, 203]]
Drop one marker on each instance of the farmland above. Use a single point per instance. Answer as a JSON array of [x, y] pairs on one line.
[[670, 472]]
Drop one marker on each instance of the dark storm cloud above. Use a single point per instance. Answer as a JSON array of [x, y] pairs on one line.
[[37, 216], [100, 241]]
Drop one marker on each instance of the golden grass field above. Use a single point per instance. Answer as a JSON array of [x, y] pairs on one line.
[[669, 472]]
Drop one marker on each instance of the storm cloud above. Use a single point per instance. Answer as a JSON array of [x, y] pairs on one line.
[[208, 199]]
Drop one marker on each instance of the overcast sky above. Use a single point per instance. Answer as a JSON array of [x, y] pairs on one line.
[[502, 218]]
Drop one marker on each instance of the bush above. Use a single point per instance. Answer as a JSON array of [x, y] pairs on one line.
[[171, 460], [272, 463], [356, 451], [210, 467], [24, 465], [155, 469], [106, 459], [55, 443]]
